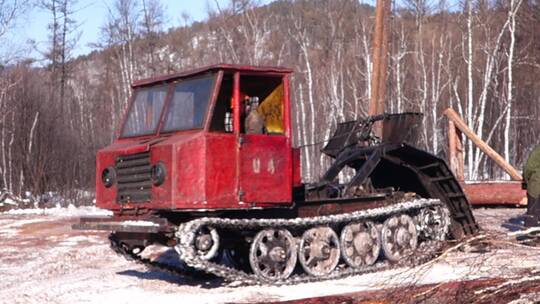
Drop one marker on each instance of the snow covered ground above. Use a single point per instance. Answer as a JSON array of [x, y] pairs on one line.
[[43, 261]]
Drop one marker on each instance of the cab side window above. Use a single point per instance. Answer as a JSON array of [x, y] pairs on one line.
[[222, 118], [262, 104]]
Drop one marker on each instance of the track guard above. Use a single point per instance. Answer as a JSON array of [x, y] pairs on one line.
[[437, 181]]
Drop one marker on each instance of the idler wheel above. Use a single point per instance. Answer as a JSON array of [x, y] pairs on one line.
[[433, 223], [272, 255], [319, 251], [360, 244], [399, 237], [207, 242]]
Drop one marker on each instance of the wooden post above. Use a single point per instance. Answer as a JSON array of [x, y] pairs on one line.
[[460, 169], [383, 67], [462, 126], [452, 153], [380, 62], [455, 151], [376, 55]]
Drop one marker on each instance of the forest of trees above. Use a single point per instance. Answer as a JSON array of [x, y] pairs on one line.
[[480, 57]]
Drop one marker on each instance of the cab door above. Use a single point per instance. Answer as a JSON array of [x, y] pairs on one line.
[[265, 175], [265, 158]]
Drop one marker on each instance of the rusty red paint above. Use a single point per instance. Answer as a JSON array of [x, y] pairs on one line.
[[221, 168], [265, 173], [212, 170], [287, 107], [297, 177], [236, 129]]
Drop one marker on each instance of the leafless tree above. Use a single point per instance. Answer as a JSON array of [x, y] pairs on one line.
[[481, 60], [151, 26]]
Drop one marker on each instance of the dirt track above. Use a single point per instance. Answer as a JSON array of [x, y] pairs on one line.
[[43, 260]]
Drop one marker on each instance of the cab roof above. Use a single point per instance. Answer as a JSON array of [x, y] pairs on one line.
[[225, 67]]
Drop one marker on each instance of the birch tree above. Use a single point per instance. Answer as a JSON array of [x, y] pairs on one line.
[[9, 12], [476, 108], [151, 26], [512, 12], [119, 34], [299, 33]]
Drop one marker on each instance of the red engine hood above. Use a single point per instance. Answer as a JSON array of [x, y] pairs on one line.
[[162, 149], [137, 144]]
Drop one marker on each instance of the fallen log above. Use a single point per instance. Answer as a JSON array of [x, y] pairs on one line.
[[495, 193]]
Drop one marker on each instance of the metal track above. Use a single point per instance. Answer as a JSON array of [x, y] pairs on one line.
[[186, 234]]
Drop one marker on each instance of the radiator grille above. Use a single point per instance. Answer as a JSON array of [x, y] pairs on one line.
[[133, 178]]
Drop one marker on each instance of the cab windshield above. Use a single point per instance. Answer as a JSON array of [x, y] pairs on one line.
[[189, 103], [186, 109], [144, 114]]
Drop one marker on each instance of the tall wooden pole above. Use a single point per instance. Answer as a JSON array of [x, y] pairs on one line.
[[376, 56], [380, 61]]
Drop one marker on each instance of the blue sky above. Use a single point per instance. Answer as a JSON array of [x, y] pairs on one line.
[[91, 15]]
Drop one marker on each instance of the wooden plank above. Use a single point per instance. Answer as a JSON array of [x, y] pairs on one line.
[[462, 126]]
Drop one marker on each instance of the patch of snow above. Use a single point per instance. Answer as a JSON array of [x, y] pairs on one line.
[[442, 272], [140, 223], [75, 240], [13, 227], [66, 269], [67, 244], [78, 238], [20, 223], [68, 211], [9, 201], [524, 232], [4, 233]]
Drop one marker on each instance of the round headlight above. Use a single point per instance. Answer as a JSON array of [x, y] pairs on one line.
[[158, 174], [108, 177]]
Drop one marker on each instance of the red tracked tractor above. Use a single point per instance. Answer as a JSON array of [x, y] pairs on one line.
[[187, 172]]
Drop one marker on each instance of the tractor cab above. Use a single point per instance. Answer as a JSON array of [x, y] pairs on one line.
[[213, 138]]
